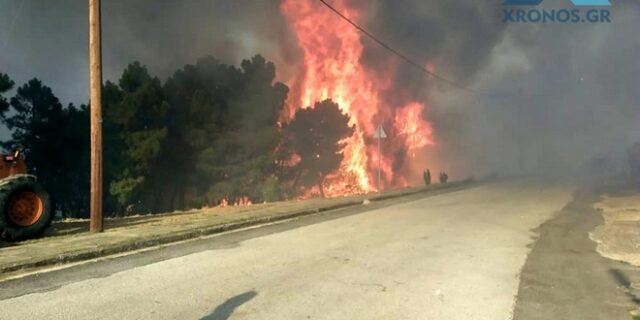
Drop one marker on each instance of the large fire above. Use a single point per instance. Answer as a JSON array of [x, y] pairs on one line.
[[332, 52]]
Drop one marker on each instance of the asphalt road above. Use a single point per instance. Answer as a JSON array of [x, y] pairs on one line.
[[456, 255]]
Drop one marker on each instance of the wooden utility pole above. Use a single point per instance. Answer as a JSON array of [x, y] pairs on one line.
[[95, 79]]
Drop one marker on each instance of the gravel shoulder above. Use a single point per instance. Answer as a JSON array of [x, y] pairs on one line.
[[564, 277], [618, 238]]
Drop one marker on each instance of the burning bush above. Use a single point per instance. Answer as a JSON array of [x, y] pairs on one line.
[[332, 68]]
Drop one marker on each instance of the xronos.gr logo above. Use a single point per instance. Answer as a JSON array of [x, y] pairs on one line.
[[583, 11]]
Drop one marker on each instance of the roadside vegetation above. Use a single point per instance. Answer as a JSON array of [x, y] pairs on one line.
[[426, 176], [444, 178], [210, 134]]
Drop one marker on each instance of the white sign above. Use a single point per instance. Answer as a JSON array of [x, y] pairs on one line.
[[380, 134]]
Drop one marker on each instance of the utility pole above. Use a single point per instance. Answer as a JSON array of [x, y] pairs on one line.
[[95, 79]]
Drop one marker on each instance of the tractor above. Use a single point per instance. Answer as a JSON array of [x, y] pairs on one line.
[[25, 206]]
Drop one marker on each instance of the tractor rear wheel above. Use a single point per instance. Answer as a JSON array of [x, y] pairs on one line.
[[25, 208]]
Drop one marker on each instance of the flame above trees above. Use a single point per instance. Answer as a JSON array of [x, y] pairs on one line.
[[332, 69]]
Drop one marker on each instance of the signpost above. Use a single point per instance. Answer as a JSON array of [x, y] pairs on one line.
[[380, 134]]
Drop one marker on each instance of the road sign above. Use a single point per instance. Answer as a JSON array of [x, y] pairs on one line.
[[380, 134]]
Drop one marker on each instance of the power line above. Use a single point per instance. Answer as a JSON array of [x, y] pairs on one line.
[[395, 52]]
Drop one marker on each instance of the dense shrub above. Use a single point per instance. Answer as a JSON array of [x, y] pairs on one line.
[[444, 177]]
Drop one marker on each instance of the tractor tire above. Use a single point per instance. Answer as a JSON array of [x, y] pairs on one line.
[[25, 208]]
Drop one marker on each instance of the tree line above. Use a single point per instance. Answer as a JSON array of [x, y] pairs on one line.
[[209, 133]]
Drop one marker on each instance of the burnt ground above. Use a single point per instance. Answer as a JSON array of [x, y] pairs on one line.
[[565, 278]]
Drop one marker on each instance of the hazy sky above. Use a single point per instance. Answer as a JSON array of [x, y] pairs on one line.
[[552, 95], [49, 39]]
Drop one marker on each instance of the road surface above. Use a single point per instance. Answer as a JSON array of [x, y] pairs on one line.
[[456, 255]]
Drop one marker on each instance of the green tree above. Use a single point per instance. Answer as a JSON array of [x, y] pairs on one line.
[[6, 84], [136, 110], [54, 141], [113, 147], [74, 186], [224, 124], [253, 116], [36, 123], [316, 135], [198, 114], [210, 132]]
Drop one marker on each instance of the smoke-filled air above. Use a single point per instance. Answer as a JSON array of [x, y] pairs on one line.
[[517, 98]]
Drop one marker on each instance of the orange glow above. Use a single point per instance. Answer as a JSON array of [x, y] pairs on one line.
[[242, 201], [430, 67], [417, 134], [332, 69]]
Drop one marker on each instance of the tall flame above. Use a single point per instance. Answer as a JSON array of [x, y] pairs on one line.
[[332, 69]]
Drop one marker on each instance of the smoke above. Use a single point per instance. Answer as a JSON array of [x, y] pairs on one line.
[[453, 38], [49, 39], [551, 96], [168, 34], [558, 96]]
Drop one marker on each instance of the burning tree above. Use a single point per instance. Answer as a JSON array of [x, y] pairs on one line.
[[332, 54], [316, 136]]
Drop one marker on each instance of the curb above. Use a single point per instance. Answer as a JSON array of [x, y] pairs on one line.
[[82, 255]]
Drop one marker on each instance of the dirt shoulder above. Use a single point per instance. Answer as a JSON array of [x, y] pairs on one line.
[[618, 238], [70, 242], [565, 277]]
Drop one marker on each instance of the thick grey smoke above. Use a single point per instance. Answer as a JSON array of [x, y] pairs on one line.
[[48, 39], [551, 96], [561, 96]]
